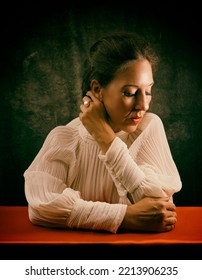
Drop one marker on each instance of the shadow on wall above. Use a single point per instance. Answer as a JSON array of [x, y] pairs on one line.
[[41, 80]]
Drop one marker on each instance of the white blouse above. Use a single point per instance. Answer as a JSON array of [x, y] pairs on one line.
[[70, 183]]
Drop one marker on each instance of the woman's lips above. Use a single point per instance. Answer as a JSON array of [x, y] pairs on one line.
[[136, 120]]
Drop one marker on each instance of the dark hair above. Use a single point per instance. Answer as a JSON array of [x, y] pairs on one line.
[[112, 52]]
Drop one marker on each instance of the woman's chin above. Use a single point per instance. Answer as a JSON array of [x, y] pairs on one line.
[[126, 128], [130, 129]]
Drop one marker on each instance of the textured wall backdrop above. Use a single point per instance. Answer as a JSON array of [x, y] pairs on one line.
[[41, 62]]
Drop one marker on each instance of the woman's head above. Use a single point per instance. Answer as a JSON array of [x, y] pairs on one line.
[[119, 71], [111, 53]]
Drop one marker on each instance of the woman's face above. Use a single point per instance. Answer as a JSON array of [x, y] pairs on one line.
[[128, 96]]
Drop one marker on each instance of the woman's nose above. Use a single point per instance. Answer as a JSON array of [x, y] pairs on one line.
[[141, 102]]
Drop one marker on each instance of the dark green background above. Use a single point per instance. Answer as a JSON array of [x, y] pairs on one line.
[[42, 49]]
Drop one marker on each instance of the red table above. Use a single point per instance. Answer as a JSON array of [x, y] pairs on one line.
[[19, 238]]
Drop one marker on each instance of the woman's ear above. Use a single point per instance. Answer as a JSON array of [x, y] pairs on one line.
[[96, 89]]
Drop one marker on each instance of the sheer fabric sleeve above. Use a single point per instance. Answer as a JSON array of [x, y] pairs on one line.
[[147, 167], [51, 201]]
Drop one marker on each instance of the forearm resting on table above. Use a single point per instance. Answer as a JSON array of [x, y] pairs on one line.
[[150, 214]]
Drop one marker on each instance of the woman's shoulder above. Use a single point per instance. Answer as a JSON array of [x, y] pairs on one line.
[[65, 132], [152, 116], [61, 143], [149, 119]]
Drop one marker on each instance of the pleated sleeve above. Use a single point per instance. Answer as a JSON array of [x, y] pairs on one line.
[[146, 168], [51, 201]]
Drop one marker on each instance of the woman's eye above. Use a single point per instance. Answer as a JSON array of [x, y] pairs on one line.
[[148, 93], [128, 94]]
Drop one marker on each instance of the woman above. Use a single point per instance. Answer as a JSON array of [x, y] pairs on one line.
[[111, 167]]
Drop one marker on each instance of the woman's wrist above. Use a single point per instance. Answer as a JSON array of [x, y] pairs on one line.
[[104, 138]]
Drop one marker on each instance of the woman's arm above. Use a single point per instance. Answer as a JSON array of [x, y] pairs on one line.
[[148, 171], [150, 215], [51, 201], [155, 159], [53, 204], [147, 167]]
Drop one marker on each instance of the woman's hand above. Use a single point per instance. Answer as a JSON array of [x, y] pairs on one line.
[[150, 215], [94, 117]]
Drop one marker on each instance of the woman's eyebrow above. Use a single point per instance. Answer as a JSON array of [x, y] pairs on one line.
[[131, 85]]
